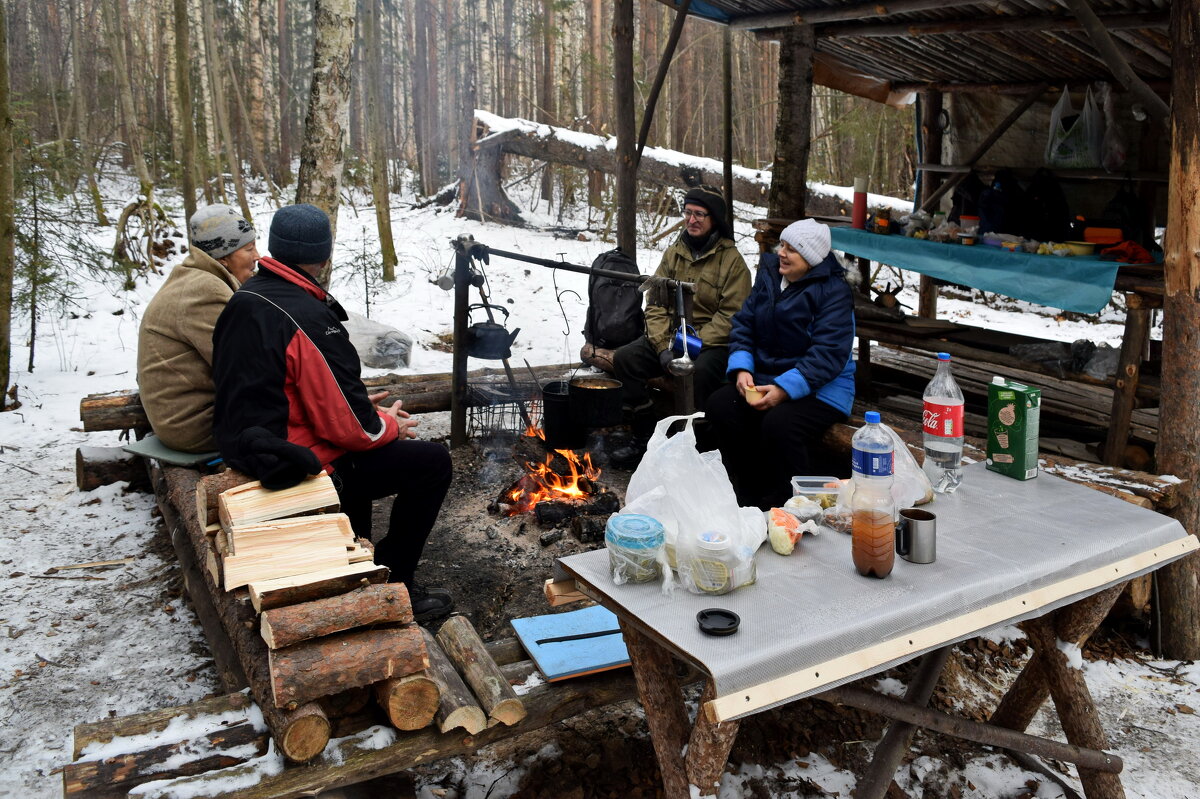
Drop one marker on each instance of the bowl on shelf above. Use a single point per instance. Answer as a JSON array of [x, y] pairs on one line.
[[1081, 247]]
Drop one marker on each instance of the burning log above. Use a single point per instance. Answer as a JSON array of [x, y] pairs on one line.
[[556, 511], [589, 528]]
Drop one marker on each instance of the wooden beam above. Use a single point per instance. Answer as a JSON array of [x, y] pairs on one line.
[[1016, 87], [660, 77], [1179, 584], [1115, 60], [842, 13], [999, 24], [1029, 99]]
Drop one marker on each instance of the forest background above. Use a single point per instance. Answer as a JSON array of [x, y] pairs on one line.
[[202, 97]]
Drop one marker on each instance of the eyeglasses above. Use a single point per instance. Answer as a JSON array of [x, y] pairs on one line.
[[689, 214]]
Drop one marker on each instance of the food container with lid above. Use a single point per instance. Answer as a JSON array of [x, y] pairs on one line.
[[635, 547], [716, 565], [823, 490]]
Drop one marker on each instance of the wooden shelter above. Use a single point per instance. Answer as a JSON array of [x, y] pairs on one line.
[[999, 56]]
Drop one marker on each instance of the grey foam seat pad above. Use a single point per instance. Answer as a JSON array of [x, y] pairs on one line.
[[152, 447], [1007, 550]]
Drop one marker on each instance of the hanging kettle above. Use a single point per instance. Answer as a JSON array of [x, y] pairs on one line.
[[490, 340]]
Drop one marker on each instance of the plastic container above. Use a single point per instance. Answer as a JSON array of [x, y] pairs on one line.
[[716, 566], [969, 223], [942, 428], [873, 511], [823, 490], [635, 547]]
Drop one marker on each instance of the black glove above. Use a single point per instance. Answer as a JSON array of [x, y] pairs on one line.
[[664, 359], [276, 462]]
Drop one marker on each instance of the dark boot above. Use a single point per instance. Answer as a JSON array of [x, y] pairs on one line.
[[429, 604]]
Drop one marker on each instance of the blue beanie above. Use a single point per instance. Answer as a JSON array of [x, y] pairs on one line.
[[300, 235]]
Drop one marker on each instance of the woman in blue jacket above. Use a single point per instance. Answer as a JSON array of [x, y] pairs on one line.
[[790, 348]]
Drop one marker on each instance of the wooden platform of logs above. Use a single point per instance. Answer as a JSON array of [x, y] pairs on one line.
[[313, 644]]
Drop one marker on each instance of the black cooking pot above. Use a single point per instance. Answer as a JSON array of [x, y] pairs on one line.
[[559, 428], [595, 401], [490, 340]]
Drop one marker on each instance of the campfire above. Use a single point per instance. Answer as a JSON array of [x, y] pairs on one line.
[[557, 484]]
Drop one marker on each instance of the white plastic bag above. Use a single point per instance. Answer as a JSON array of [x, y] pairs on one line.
[[910, 486], [1075, 141], [690, 494], [379, 346], [1113, 149]]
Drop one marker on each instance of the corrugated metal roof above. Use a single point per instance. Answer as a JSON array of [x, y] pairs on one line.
[[1015, 42]]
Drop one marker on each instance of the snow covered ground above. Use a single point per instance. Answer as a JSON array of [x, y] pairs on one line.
[[82, 644]]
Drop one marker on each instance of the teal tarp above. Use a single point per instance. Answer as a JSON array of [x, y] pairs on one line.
[[1075, 283]]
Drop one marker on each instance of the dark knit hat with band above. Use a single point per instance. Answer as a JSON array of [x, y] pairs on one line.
[[300, 235], [711, 199], [219, 230]]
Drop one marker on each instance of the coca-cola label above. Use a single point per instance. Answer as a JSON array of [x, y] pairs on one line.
[[871, 464], [945, 421]]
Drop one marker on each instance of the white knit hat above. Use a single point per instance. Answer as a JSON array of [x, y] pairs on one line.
[[809, 238]]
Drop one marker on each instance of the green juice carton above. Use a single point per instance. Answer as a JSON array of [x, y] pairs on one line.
[[1014, 413]]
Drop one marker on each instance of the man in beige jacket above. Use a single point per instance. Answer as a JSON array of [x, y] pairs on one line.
[[175, 347]]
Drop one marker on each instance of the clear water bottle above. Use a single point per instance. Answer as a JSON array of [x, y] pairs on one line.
[[873, 511], [942, 422]]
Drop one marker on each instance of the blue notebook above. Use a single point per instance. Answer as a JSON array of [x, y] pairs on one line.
[[573, 644]]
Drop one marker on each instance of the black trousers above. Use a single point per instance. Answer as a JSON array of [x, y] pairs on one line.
[[418, 474], [637, 362], [763, 450]]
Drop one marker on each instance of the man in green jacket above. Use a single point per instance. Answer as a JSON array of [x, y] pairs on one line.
[[703, 254], [175, 348]]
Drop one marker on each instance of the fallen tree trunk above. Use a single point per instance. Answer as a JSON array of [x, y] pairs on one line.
[[429, 393], [371, 604]]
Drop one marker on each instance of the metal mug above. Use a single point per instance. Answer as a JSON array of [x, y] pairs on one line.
[[916, 536]]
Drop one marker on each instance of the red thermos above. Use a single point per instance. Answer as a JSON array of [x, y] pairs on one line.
[[858, 217]]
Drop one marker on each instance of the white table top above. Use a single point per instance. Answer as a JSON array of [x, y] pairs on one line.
[[1007, 550]]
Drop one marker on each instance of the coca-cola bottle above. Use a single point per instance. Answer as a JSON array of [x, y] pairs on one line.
[[942, 422]]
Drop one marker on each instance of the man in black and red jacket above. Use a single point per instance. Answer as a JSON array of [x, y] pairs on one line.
[[289, 401]]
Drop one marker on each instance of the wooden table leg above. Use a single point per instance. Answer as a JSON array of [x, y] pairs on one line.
[[1029, 691], [891, 749], [662, 699], [1076, 711], [708, 748]]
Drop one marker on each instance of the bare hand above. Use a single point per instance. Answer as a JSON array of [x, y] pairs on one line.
[[744, 381], [403, 419], [377, 397], [772, 395]]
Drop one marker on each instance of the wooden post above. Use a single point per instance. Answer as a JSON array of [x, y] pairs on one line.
[[890, 751], [863, 386], [623, 94], [789, 176], [931, 134], [458, 373], [1133, 343], [658, 688], [1179, 582]]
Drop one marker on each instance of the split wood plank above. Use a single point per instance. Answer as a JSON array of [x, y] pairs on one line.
[[329, 665], [463, 646], [250, 503], [456, 706], [283, 591], [562, 592], [242, 570], [210, 487], [371, 604], [271, 536]]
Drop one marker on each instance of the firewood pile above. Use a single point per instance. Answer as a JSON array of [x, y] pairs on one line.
[[325, 644]]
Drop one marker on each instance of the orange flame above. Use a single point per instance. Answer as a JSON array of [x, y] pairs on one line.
[[541, 483]]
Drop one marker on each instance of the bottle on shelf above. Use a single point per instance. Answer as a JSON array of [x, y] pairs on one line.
[[858, 214], [873, 511], [942, 425]]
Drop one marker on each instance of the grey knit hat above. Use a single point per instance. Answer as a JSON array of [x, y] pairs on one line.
[[219, 230], [300, 235], [809, 238]]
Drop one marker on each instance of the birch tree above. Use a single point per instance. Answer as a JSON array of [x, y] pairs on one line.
[[322, 153]]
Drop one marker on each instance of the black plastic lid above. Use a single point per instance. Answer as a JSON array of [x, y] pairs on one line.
[[718, 621]]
